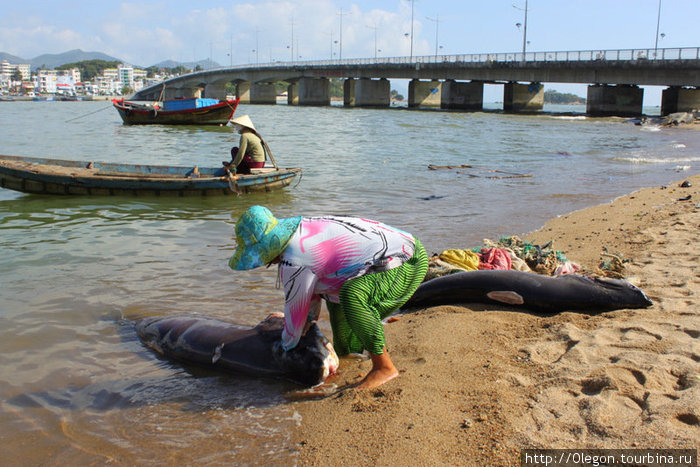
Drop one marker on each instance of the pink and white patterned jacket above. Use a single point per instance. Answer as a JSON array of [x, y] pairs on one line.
[[326, 252]]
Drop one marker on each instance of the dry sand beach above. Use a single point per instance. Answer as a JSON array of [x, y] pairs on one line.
[[479, 383]]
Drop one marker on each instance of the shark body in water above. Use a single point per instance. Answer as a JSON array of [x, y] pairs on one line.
[[255, 350]]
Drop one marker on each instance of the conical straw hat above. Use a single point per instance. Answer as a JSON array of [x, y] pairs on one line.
[[243, 121]]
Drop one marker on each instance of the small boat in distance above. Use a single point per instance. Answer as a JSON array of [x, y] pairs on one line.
[[62, 177], [189, 111]]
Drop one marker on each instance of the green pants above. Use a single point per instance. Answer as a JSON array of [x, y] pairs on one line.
[[356, 321]]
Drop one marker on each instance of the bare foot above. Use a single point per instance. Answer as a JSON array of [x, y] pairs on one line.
[[383, 370], [376, 378]]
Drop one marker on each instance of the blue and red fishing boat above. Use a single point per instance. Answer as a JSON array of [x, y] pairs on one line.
[[188, 111]]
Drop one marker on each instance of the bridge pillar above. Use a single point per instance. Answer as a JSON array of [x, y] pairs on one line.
[[677, 99], [309, 91], [349, 92], [366, 92], [170, 93], [263, 93], [182, 92], [462, 96], [619, 100], [424, 94], [523, 97], [243, 92], [215, 91]]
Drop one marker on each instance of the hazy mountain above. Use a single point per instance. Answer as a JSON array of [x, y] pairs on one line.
[[15, 60], [77, 55], [54, 60], [72, 56], [167, 64]]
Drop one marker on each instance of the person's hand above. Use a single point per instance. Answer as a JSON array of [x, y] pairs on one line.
[[273, 322], [306, 327]]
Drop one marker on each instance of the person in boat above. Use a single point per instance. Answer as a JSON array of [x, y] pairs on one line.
[[249, 154], [364, 270]]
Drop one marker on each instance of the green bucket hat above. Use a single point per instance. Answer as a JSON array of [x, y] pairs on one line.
[[260, 238]]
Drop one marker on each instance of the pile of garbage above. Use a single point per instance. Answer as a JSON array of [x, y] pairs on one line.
[[515, 253], [612, 265]]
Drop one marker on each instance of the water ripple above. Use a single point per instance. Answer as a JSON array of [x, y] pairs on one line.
[[77, 272]]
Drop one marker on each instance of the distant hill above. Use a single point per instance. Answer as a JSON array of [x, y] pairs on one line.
[[12, 58], [167, 64], [55, 60], [73, 56]]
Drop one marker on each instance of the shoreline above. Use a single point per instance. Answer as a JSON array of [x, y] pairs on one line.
[[479, 382]]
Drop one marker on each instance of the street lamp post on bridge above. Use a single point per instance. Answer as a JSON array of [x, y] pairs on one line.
[[291, 44], [658, 22], [257, 46], [436, 20], [524, 28], [375, 27], [330, 57], [341, 14], [230, 54], [412, 1]]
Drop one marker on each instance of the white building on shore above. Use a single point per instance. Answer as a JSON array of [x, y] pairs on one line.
[[125, 75], [57, 81], [8, 71], [7, 68]]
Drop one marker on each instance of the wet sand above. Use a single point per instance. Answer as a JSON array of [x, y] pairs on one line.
[[479, 382]]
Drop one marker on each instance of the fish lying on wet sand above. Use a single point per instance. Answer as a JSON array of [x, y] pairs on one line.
[[529, 290], [234, 348]]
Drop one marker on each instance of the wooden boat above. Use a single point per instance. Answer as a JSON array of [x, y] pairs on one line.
[[62, 177], [192, 111]]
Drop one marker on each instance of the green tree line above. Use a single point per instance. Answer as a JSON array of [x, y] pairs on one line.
[[89, 68], [554, 97]]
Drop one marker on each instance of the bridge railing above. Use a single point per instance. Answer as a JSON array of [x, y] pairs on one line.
[[686, 53], [682, 53]]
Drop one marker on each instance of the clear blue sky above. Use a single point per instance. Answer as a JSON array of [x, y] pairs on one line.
[[146, 32]]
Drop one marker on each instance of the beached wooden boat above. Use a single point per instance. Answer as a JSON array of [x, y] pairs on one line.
[[62, 177], [192, 111]]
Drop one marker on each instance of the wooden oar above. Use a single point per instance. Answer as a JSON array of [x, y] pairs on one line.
[[268, 151], [440, 167]]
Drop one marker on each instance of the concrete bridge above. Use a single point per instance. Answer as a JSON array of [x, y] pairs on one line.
[[457, 81]]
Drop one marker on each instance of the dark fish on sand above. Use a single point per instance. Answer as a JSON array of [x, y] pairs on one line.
[[529, 290], [230, 347]]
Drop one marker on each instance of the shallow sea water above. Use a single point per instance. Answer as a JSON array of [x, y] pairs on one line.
[[76, 385]]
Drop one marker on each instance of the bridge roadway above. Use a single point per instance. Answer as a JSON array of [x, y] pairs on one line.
[[456, 81]]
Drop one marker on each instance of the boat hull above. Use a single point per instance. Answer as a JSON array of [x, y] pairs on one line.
[[135, 114], [61, 177]]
